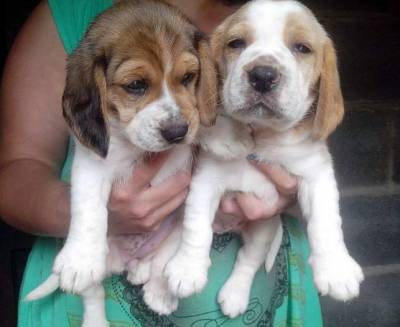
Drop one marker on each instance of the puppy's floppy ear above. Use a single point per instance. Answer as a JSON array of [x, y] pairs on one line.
[[206, 93], [330, 108], [84, 100], [218, 45]]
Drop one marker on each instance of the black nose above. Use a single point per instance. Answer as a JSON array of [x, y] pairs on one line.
[[175, 131], [264, 78]]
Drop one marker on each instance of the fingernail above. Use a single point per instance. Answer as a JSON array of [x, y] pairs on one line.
[[252, 157]]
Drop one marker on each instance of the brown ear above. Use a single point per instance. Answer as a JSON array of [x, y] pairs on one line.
[[84, 101], [217, 46], [330, 108], [207, 93]]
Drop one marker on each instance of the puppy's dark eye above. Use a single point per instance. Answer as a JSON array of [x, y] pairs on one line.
[[237, 43], [301, 48], [137, 87], [187, 78]]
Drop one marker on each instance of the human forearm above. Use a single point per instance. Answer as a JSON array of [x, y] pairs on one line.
[[33, 199]]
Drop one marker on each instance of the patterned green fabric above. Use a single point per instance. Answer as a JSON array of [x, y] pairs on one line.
[[284, 297]]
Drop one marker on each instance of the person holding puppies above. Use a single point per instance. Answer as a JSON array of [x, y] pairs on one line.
[[34, 173]]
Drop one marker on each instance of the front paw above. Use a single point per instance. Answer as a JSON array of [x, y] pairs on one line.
[[80, 268], [337, 275], [234, 297], [158, 297], [139, 273], [187, 275]]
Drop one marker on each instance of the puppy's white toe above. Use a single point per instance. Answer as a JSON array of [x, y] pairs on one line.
[[158, 297], [78, 270], [338, 276], [187, 276], [139, 273], [233, 298], [95, 322]]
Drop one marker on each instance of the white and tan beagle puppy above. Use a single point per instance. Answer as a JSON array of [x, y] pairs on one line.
[[141, 81], [279, 88]]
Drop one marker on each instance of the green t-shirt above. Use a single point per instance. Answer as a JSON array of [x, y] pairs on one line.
[[284, 297]]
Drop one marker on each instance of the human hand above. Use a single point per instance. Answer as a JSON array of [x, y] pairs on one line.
[[248, 206], [135, 206]]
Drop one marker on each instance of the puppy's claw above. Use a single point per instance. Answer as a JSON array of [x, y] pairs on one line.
[[186, 276], [78, 271], [158, 297], [339, 276]]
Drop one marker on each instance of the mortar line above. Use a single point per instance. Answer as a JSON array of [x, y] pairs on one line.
[[371, 191], [392, 136], [380, 270]]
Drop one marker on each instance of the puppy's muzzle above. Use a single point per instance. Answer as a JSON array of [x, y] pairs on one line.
[[174, 131], [264, 79]]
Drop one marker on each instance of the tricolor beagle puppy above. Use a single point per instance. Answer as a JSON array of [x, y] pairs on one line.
[[279, 88], [141, 81]]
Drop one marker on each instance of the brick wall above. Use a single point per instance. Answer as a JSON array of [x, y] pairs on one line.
[[366, 154]]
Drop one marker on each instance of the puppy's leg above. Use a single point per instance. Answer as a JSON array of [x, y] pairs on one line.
[[94, 314], [234, 295], [139, 271], [156, 292], [82, 261], [187, 271], [335, 271]]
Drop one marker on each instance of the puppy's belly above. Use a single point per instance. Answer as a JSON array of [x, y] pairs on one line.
[[126, 250]]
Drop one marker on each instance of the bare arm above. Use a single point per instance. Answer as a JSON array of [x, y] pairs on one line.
[[33, 136]]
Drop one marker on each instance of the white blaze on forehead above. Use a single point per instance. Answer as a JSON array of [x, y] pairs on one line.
[[269, 18], [167, 96], [169, 100]]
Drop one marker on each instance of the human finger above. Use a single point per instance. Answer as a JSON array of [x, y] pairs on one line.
[[146, 171], [253, 208], [154, 219], [285, 182]]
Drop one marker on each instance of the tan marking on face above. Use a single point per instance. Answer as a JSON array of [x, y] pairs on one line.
[[159, 58], [140, 41], [302, 27], [241, 30], [235, 26], [185, 96], [130, 40], [319, 69], [126, 104]]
